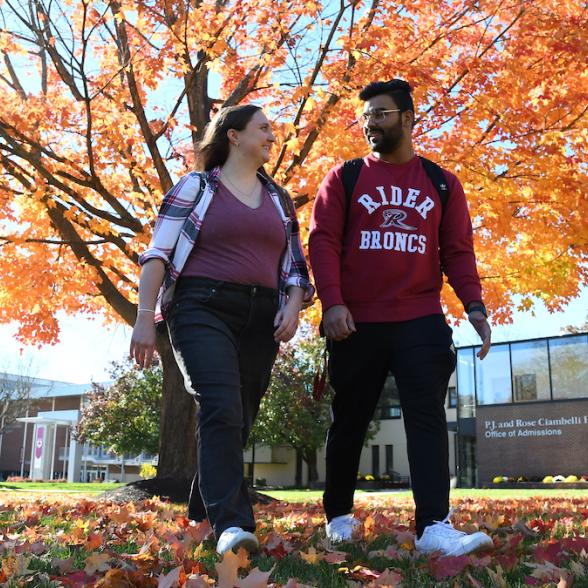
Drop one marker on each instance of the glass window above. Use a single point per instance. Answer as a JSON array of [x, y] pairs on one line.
[[530, 371], [569, 366], [389, 458], [467, 465], [466, 390], [493, 381], [389, 403], [376, 461], [451, 397]]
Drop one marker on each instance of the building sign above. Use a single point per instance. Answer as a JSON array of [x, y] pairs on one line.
[[39, 442], [532, 440]]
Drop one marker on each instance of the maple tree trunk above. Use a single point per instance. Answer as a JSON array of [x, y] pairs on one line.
[[298, 475], [310, 459], [177, 444]]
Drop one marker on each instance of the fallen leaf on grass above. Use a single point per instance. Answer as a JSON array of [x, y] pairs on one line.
[[97, 562], [77, 579], [38, 548], [390, 578], [521, 527], [120, 515], [492, 522], [17, 566], [390, 553], [546, 572], [312, 557], [62, 565], [174, 579], [294, 584], [577, 569], [243, 560], [118, 578], [227, 570], [369, 528], [473, 582], [199, 532], [277, 547], [447, 567], [93, 541], [405, 540], [480, 562], [363, 573], [197, 581], [551, 553], [497, 577], [255, 579], [336, 557]]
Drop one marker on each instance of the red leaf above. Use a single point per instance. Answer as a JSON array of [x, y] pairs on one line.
[[447, 567], [552, 553], [336, 557], [507, 561]]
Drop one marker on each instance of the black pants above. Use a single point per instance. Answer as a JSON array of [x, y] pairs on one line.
[[222, 337], [419, 354]]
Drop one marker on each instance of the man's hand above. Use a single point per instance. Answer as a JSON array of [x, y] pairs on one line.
[[482, 327], [338, 322]]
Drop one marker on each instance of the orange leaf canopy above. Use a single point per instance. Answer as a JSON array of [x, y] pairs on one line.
[[101, 106]]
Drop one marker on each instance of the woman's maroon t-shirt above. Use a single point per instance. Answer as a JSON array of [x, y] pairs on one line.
[[237, 243]]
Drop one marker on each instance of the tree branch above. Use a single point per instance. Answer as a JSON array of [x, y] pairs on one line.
[[138, 110]]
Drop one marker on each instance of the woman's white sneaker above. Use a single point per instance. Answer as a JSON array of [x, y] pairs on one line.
[[234, 538], [441, 536], [341, 528]]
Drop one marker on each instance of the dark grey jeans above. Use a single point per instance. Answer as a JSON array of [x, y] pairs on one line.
[[222, 337]]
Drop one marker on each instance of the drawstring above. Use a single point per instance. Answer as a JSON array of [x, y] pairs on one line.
[[320, 378]]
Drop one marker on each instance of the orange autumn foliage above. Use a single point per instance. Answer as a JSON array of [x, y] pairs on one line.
[[101, 105]]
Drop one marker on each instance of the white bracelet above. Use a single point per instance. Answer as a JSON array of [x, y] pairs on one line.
[[145, 310]]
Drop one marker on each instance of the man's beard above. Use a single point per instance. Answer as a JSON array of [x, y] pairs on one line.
[[389, 139]]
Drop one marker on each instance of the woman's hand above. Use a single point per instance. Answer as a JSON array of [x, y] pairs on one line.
[[286, 321], [143, 340]]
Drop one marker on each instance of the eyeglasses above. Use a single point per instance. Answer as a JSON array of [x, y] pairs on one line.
[[376, 115]]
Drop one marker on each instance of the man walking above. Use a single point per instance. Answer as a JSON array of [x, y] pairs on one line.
[[383, 230]]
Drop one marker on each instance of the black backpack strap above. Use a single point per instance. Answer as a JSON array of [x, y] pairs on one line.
[[437, 177], [349, 176]]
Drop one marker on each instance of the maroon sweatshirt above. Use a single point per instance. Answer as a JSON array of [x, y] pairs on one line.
[[387, 267]]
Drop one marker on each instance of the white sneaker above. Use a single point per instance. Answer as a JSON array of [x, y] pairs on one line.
[[340, 529], [441, 536], [235, 537]]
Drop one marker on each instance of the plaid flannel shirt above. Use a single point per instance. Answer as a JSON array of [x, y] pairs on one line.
[[179, 221]]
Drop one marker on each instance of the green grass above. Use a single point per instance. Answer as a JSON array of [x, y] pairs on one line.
[[58, 486], [301, 495], [316, 495]]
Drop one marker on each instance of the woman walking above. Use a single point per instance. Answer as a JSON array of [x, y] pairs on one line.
[[227, 262]]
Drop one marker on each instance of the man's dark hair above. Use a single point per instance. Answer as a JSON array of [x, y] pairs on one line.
[[398, 90]]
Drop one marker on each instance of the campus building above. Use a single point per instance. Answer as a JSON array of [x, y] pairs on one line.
[[384, 453], [39, 443], [522, 411]]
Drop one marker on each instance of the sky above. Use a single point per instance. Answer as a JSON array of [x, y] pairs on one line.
[[87, 348]]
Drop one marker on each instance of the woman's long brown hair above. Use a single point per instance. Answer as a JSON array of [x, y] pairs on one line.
[[213, 149]]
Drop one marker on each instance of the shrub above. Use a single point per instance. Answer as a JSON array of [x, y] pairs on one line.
[[147, 471]]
